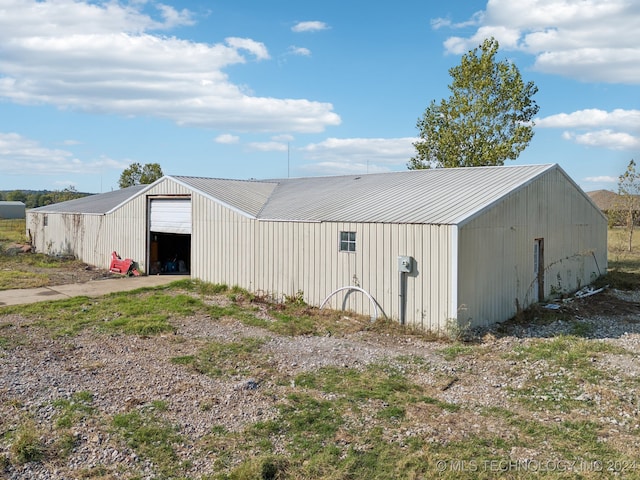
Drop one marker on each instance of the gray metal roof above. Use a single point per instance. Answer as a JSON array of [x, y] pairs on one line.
[[96, 204], [435, 196], [247, 196]]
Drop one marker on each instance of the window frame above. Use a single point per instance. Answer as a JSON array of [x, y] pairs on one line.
[[347, 241]]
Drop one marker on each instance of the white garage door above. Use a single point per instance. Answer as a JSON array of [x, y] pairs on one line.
[[170, 216]]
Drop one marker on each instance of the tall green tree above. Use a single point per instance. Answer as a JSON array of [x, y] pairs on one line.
[[488, 118], [136, 174], [628, 204], [16, 196]]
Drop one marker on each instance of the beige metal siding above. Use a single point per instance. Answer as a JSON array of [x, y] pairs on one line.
[[496, 268], [221, 244], [474, 271], [283, 258], [275, 258], [92, 237]]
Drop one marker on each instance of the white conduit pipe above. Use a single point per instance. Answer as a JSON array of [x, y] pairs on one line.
[[373, 302]]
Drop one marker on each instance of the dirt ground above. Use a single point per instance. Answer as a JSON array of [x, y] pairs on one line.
[[26, 270], [125, 373], [74, 272]]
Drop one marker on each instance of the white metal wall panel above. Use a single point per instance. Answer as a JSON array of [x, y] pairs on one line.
[[284, 258], [170, 215], [496, 249], [92, 238], [494, 252]]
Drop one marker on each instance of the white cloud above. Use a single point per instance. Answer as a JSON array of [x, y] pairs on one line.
[[282, 138], [268, 146], [227, 138], [173, 18], [507, 37], [605, 138], [589, 40], [601, 179], [347, 155], [312, 26], [615, 130], [101, 57], [21, 155], [592, 117], [299, 51], [256, 48], [343, 168], [475, 19]]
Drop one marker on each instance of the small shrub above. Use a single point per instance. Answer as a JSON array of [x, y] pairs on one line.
[[295, 299], [262, 468], [456, 331], [27, 446]]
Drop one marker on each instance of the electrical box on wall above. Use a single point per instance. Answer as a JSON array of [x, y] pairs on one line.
[[405, 264]]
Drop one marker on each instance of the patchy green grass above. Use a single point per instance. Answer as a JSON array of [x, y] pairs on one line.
[[565, 351], [324, 428], [12, 231], [570, 370], [139, 313], [378, 381], [33, 270], [152, 438], [73, 409], [10, 279], [218, 359], [7, 341], [27, 445], [558, 402], [624, 265], [451, 352]]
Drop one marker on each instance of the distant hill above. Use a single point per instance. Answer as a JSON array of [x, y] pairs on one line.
[[606, 200]]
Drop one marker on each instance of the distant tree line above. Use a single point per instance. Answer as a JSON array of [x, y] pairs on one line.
[[40, 198]]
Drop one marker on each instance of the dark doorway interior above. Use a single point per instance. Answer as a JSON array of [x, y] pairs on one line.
[[538, 267], [170, 253]]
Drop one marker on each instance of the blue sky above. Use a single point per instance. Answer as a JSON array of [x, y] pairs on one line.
[[253, 89]]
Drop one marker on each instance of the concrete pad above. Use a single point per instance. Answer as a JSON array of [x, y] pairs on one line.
[[93, 288]]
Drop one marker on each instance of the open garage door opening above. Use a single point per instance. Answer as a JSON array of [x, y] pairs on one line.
[[170, 253], [170, 236]]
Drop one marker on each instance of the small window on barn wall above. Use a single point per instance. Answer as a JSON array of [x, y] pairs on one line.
[[347, 241], [45, 220]]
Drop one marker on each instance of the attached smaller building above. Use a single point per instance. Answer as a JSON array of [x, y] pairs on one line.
[[12, 210]]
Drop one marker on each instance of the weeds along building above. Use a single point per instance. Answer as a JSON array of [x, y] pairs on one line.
[[431, 248]]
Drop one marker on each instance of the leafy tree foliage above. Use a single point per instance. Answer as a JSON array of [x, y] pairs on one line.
[[136, 174], [627, 209], [16, 196], [487, 120], [39, 198]]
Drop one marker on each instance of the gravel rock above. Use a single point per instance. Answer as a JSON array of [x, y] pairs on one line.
[[125, 373]]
